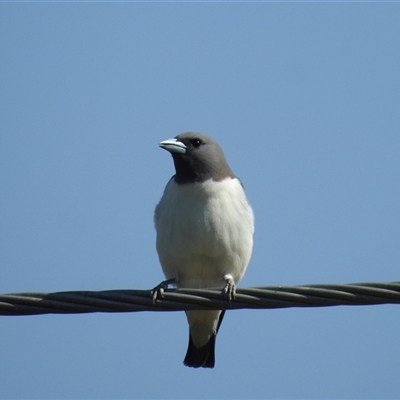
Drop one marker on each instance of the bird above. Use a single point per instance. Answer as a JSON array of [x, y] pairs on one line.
[[204, 227]]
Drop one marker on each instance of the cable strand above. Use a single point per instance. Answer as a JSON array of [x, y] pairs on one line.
[[266, 297]]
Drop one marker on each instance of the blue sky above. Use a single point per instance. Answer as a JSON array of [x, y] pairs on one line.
[[304, 98]]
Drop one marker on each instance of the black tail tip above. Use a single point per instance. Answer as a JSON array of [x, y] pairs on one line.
[[203, 357]]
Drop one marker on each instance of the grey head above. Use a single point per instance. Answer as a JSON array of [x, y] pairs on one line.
[[197, 158]]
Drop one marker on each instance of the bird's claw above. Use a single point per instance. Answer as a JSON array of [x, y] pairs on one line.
[[158, 291], [229, 289]]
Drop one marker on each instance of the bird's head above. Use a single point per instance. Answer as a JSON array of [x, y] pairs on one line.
[[197, 158]]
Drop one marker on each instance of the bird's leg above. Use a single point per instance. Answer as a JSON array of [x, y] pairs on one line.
[[229, 289], [159, 289]]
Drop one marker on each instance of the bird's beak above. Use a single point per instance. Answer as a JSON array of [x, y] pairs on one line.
[[173, 146]]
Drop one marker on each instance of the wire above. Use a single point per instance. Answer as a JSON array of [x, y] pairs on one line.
[[266, 297]]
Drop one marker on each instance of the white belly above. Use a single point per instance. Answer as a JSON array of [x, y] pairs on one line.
[[204, 231]]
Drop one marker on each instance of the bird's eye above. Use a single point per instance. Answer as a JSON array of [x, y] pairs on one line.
[[196, 143]]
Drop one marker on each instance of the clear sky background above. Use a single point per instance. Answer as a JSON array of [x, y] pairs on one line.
[[304, 98]]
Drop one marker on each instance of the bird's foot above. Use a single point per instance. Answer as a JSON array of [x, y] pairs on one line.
[[158, 291], [229, 289]]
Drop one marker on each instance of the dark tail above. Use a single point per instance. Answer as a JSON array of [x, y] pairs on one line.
[[204, 356]]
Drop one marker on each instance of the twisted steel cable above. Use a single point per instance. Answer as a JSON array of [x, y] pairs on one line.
[[265, 297]]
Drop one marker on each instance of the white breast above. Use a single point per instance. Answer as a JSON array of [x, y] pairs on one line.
[[204, 231]]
